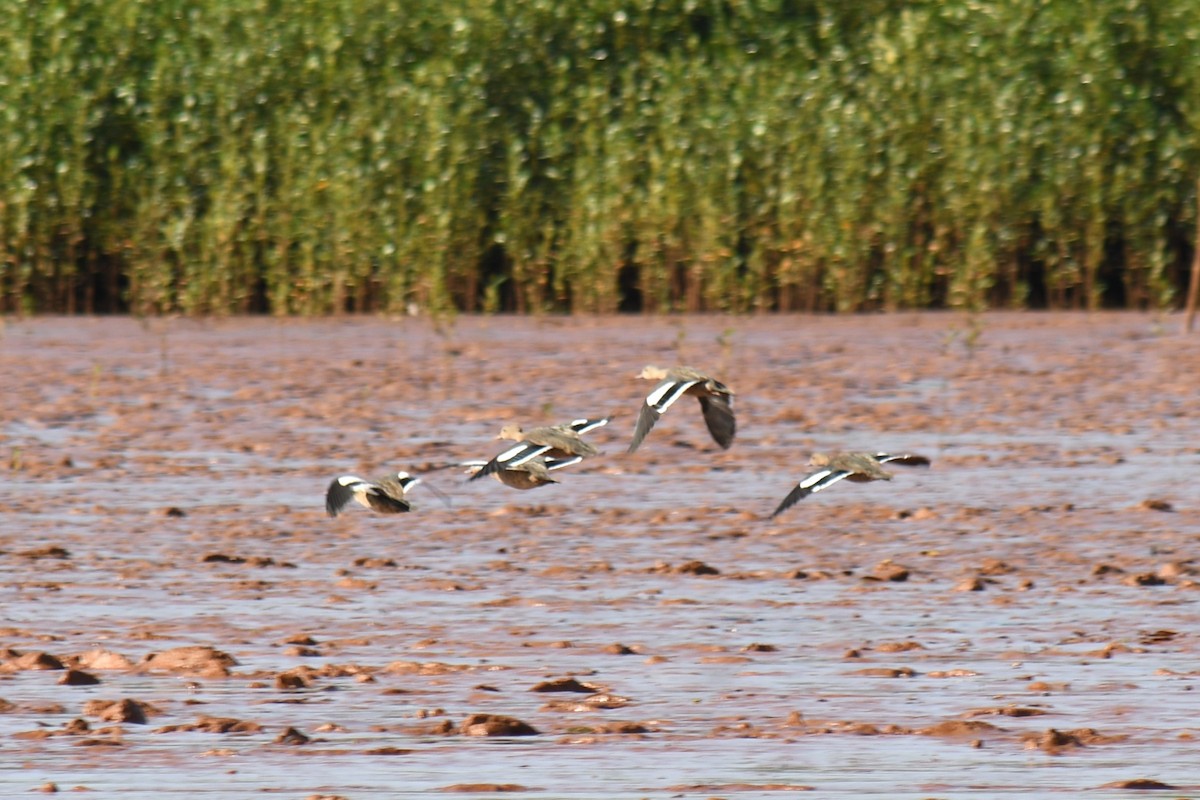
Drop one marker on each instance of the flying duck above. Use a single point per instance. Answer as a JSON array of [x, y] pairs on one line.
[[716, 402], [385, 495], [857, 467], [553, 441], [527, 475]]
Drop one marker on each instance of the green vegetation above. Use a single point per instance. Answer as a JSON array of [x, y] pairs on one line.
[[308, 157]]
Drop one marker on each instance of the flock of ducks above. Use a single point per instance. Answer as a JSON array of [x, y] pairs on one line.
[[541, 451]]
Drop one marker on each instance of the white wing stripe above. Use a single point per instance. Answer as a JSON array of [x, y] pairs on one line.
[[559, 463], [667, 392], [582, 426], [512, 452], [816, 477], [830, 479], [520, 454]]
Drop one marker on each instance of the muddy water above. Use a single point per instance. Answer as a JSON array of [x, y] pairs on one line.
[[1021, 618]]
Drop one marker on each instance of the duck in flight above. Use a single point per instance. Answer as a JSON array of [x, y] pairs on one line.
[[557, 442], [386, 495], [716, 402], [527, 475], [857, 467]]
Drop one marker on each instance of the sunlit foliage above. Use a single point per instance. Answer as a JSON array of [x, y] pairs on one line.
[[309, 157]]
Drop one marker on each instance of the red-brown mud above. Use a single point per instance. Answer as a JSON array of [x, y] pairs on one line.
[[179, 611]]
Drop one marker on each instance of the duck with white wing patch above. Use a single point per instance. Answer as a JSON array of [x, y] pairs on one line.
[[716, 402], [857, 467]]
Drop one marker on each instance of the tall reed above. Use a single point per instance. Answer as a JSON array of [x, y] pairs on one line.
[[326, 156]]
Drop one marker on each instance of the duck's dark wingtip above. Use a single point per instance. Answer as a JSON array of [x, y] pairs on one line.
[[904, 459], [648, 416], [486, 469], [338, 495], [782, 507]]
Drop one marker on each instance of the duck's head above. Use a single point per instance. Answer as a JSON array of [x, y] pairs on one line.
[[652, 373], [510, 431]]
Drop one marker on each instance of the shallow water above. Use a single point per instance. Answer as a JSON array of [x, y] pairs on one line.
[[799, 666]]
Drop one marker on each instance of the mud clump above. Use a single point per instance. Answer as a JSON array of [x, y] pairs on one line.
[[564, 685], [995, 566], [206, 724], [291, 736], [686, 568], [34, 661], [1055, 741], [885, 672], [959, 728], [199, 660], [1144, 579], [1008, 711], [1143, 784], [75, 677], [50, 551], [495, 725], [898, 647], [886, 571], [589, 703], [134, 712], [613, 728], [102, 660], [252, 561], [292, 680]]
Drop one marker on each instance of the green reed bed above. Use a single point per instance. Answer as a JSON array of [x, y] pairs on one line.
[[314, 157]]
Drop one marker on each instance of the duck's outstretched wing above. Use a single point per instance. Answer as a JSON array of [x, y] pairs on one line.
[[471, 467], [657, 402], [811, 484], [558, 463], [905, 459], [718, 416], [514, 456], [341, 492], [582, 426], [645, 421]]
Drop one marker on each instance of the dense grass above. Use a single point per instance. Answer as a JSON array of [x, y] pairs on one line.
[[217, 156]]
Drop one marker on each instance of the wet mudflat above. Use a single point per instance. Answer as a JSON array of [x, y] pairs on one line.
[[179, 617]]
